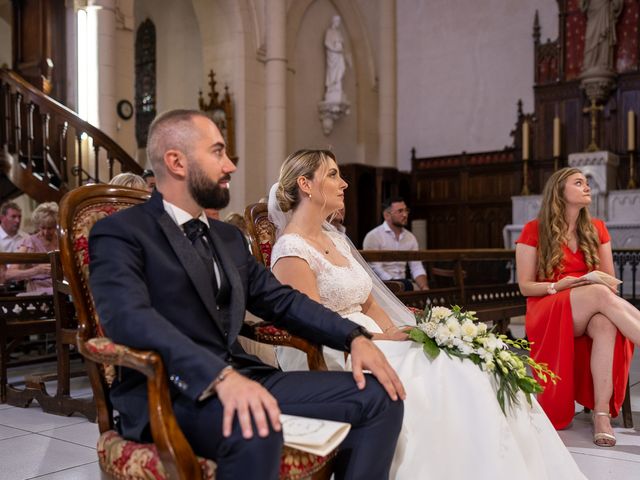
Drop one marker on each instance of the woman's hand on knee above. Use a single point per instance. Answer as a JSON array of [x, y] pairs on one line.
[[570, 282]]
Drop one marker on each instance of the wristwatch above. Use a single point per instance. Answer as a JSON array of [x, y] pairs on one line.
[[356, 332]]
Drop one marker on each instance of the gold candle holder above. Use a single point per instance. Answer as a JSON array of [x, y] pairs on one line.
[[556, 163], [631, 184], [525, 158]]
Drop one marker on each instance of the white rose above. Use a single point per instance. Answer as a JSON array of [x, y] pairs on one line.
[[482, 328], [439, 313], [469, 330], [465, 349]]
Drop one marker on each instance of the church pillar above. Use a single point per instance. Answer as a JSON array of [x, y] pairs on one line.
[[387, 84], [107, 75], [276, 77]]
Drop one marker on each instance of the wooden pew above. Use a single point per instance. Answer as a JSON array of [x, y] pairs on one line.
[[493, 300], [22, 316]]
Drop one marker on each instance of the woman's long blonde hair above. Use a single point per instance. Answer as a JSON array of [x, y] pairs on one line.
[[552, 228]]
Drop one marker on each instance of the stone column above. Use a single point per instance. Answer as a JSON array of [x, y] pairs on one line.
[[276, 96], [387, 85], [107, 74]]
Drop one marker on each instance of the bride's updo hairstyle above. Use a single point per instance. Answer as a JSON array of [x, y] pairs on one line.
[[303, 163]]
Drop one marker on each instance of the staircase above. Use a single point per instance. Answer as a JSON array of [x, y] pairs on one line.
[[47, 149]]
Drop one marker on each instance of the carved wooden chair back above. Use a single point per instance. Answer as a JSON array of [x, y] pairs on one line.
[[170, 456]]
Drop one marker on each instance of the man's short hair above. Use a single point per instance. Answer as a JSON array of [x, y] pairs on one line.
[[4, 208], [386, 205], [147, 173], [171, 130]]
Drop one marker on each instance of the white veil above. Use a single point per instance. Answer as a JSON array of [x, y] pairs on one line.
[[394, 308]]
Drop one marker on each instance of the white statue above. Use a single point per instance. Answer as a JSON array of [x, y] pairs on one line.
[[335, 104], [336, 64], [600, 37]]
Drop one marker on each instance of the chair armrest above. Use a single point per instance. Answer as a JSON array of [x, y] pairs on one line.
[[267, 332], [175, 452]]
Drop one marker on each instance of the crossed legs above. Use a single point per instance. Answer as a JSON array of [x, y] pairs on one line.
[[600, 313]]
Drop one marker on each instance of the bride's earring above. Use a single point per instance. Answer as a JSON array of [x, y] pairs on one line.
[[309, 196]]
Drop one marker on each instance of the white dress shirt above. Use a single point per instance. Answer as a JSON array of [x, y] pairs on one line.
[[383, 238], [11, 244]]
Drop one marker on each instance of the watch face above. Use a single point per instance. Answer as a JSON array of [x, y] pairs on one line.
[[125, 109]]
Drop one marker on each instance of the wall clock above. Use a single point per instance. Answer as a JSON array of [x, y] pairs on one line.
[[124, 109]]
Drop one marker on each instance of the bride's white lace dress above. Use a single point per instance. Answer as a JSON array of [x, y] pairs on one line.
[[453, 426]]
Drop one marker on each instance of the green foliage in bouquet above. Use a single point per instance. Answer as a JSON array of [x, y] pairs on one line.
[[459, 334]]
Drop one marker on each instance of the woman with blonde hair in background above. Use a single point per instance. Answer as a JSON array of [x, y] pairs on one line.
[[583, 331], [453, 425], [129, 180], [45, 219]]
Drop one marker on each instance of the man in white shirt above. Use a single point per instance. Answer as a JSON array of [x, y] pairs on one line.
[[10, 235], [392, 235]]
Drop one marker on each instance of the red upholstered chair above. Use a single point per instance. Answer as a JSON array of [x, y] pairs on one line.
[[263, 235], [169, 456]]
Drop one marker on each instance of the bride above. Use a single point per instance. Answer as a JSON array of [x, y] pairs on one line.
[[453, 426]]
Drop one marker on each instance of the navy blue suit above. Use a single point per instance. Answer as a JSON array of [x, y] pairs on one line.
[[152, 291]]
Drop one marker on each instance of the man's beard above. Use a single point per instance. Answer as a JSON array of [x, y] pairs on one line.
[[206, 192], [399, 224]]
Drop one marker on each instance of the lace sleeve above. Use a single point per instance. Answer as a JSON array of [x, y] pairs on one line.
[[293, 246]]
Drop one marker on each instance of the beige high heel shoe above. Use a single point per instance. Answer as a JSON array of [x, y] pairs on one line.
[[602, 439]]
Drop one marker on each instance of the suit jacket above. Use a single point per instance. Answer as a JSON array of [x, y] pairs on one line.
[[152, 291]]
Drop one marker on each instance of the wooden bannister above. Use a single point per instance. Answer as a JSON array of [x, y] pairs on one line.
[[47, 149]]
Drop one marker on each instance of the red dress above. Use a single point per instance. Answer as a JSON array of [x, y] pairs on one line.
[[549, 325]]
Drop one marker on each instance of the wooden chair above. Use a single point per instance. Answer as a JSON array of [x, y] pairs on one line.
[[170, 455], [263, 235]]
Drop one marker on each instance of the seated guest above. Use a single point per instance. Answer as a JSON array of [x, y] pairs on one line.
[[45, 219], [583, 331], [150, 179], [10, 235], [129, 180], [391, 235], [167, 278]]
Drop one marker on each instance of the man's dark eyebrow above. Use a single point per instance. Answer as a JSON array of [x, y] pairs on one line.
[[218, 145]]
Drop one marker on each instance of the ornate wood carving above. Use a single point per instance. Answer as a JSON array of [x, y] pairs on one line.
[[221, 112]]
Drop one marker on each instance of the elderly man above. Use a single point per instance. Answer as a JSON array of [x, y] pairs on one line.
[[166, 277], [391, 235], [10, 235]]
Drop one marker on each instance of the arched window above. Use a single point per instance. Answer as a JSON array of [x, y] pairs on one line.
[[145, 80]]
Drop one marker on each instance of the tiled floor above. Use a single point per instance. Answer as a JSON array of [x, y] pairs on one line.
[[34, 444]]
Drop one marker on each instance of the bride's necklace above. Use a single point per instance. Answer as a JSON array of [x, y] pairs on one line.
[[324, 249]]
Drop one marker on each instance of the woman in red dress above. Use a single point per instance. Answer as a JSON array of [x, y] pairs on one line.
[[584, 331]]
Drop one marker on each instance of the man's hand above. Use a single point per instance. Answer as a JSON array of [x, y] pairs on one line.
[[246, 398], [366, 356]]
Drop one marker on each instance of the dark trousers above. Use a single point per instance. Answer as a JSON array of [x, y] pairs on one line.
[[366, 453]]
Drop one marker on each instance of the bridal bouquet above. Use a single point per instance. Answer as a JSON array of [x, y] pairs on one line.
[[459, 334]]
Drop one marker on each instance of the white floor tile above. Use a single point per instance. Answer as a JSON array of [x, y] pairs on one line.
[[598, 468], [85, 433], [90, 471], [33, 455], [35, 420], [9, 432]]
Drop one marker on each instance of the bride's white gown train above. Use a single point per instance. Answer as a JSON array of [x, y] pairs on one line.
[[453, 426]]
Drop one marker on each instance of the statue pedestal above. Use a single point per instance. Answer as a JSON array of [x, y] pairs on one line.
[[331, 112], [600, 168]]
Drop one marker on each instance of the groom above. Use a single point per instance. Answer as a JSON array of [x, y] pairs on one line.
[[166, 278]]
